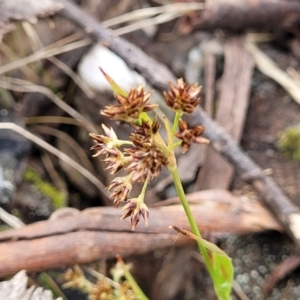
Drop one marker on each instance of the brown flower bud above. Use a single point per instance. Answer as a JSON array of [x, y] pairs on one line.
[[130, 107], [122, 187], [135, 209], [183, 97], [190, 135]]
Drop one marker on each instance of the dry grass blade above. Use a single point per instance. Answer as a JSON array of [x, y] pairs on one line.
[[165, 14], [43, 53], [101, 276], [12, 56], [80, 153], [53, 173], [84, 87], [54, 151], [268, 67], [21, 85], [9, 219], [239, 291], [37, 45], [52, 119], [148, 12], [163, 18]]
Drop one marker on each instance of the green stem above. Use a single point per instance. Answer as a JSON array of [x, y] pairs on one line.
[[175, 125], [176, 121], [143, 192], [175, 175], [138, 291], [175, 145], [124, 142]]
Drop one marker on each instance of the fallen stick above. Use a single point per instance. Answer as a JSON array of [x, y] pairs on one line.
[[238, 16], [98, 233], [268, 67], [232, 109], [157, 74]]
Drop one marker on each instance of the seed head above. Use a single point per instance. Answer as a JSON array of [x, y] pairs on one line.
[[183, 97], [75, 279], [190, 135], [115, 159], [130, 107], [145, 161], [101, 290], [122, 187], [110, 140], [146, 129], [135, 209], [108, 146]]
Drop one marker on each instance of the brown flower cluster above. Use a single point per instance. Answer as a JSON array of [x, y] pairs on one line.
[[130, 107], [121, 187], [145, 162], [108, 146], [102, 291], [146, 156], [183, 97]]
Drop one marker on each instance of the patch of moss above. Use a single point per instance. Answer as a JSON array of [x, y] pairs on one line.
[[288, 142], [57, 198]]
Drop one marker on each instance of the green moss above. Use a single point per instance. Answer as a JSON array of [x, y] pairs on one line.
[[289, 142], [58, 198]]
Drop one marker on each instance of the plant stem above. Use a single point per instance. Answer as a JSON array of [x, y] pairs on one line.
[[178, 115], [177, 144], [176, 121], [143, 192], [138, 291], [175, 175]]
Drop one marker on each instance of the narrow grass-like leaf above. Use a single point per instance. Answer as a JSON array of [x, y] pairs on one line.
[[222, 273]]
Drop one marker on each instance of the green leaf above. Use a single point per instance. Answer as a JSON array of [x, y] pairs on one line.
[[223, 275], [114, 86], [222, 269]]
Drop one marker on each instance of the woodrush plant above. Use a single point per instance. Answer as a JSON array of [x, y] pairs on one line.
[[121, 287], [144, 155]]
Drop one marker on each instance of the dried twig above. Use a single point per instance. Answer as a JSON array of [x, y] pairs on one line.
[[267, 66], [96, 233], [232, 108]]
